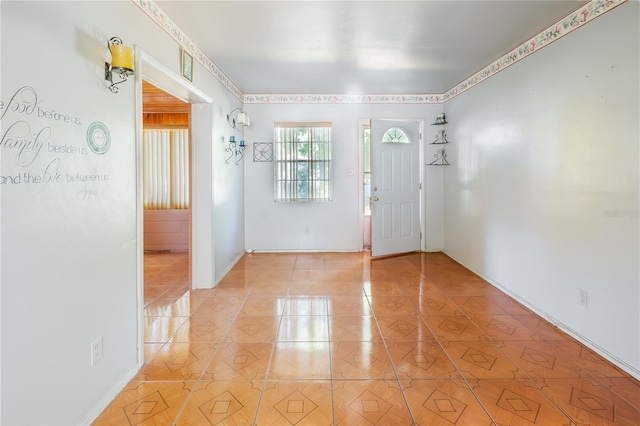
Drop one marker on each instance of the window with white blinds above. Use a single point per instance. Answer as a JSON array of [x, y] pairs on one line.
[[165, 168], [302, 167]]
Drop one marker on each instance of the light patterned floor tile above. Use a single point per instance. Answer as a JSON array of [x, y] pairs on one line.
[[349, 305], [309, 305], [146, 403], [453, 328], [354, 329], [588, 402], [239, 361], [477, 305], [271, 274], [178, 361], [382, 288], [360, 360], [538, 359], [370, 402], [434, 304], [421, 360], [543, 330], [297, 403], [627, 387], [444, 403], [392, 305], [253, 329], [517, 402], [404, 328], [308, 288], [481, 360], [271, 283], [167, 305], [217, 306], [221, 403], [587, 359], [308, 275], [150, 350], [341, 339], [300, 361], [501, 327], [263, 305], [350, 288], [509, 305], [161, 329], [304, 328], [201, 329]]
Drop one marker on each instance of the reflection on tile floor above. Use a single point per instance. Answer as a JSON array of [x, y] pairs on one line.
[[340, 339]]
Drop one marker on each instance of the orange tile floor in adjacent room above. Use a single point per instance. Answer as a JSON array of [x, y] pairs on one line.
[[340, 339]]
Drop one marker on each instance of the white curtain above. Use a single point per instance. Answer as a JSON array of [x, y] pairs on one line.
[[166, 169]]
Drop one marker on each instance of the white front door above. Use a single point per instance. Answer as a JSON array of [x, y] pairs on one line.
[[395, 187]]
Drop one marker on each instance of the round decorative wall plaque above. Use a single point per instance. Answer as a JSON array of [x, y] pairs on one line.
[[98, 138]]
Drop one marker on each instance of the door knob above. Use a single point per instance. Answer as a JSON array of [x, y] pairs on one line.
[[375, 198]]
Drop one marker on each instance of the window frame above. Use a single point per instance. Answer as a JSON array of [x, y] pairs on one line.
[[289, 157]]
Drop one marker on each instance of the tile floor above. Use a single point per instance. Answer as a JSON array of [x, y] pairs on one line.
[[340, 339]]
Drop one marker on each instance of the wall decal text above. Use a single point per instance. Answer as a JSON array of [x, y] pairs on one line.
[[42, 145]]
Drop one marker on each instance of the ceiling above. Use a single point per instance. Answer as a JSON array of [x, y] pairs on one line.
[[359, 47]]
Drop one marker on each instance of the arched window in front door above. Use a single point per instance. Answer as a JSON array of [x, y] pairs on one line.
[[395, 135]]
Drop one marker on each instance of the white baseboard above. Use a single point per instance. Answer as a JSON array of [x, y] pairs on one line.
[[550, 318], [110, 396]]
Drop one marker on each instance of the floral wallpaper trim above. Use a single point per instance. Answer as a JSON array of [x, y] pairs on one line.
[[573, 21], [170, 27], [342, 99]]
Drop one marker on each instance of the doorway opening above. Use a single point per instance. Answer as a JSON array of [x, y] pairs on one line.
[[200, 267], [364, 132], [166, 171]]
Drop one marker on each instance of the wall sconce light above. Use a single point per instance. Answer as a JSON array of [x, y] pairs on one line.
[[235, 150], [241, 118], [121, 63]]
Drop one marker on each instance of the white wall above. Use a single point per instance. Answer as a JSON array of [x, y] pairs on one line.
[[543, 155], [69, 248], [334, 226]]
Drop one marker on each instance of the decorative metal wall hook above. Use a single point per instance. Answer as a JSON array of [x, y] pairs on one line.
[[441, 137], [235, 150], [122, 63], [241, 118], [441, 158]]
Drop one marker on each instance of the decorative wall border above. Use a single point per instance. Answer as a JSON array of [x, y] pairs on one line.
[[170, 27], [342, 99], [571, 22]]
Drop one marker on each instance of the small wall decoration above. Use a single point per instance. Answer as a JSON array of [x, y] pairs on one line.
[[440, 158], [98, 138], [441, 138], [187, 65], [262, 152]]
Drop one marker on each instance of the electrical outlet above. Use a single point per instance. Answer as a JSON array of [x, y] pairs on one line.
[[583, 298], [96, 350]]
